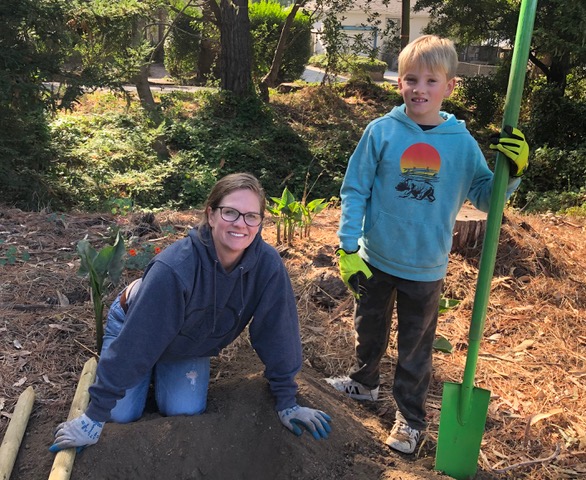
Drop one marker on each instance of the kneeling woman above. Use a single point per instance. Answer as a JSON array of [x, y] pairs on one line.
[[194, 299]]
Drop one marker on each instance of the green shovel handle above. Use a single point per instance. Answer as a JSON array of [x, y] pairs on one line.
[[497, 201]]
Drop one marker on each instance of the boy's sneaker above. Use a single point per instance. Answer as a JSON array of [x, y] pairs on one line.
[[403, 438], [353, 389]]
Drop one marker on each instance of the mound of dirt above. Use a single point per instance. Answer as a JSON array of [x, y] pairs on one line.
[[240, 437]]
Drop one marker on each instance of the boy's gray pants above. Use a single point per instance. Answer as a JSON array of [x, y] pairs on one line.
[[417, 306]]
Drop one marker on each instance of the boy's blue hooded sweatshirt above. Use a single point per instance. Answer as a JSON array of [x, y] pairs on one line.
[[403, 189], [189, 306]]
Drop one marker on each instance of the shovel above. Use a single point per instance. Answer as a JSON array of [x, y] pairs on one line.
[[464, 406]]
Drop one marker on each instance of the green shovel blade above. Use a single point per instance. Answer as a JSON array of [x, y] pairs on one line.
[[457, 453]]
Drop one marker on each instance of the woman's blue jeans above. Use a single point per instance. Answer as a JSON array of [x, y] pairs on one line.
[[181, 387]]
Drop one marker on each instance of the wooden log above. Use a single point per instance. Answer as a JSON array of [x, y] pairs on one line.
[[469, 229], [288, 87], [63, 463], [15, 432]]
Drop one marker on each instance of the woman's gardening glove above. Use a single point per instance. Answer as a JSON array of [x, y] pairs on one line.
[[315, 421], [514, 147], [353, 270], [79, 432]]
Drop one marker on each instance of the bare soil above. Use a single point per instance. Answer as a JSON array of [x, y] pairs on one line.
[[532, 359]]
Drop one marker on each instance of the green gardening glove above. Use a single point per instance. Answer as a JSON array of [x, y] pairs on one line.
[[514, 147], [353, 270]]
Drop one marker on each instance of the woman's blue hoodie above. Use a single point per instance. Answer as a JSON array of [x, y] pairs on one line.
[[189, 306]]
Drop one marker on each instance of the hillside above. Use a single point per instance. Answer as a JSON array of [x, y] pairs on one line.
[[532, 360]]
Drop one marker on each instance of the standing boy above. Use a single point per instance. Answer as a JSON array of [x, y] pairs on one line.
[[405, 183]]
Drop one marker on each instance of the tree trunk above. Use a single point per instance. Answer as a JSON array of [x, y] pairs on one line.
[[143, 90], [270, 79], [405, 22], [145, 95], [469, 229], [236, 45]]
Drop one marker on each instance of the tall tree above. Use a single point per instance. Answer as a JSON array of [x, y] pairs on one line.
[[32, 45], [559, 37], [236, 47]]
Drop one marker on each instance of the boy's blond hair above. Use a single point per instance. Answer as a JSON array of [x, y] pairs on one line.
[[431, 52]]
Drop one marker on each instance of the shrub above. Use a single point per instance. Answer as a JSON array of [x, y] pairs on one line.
[[267, 18], [101, 157], [482, 95], [358, 64], [351, 64], [554, 119], [228, 134], [557, 169]]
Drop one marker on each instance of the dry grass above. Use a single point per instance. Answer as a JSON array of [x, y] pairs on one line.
[[532, 359]]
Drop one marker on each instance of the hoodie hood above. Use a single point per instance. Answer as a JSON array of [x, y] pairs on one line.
[[203, 243], [451, 124]]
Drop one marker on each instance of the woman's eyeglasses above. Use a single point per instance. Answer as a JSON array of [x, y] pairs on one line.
[[230, 214]]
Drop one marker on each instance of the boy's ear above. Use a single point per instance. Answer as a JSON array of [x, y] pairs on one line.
[[450, 87]]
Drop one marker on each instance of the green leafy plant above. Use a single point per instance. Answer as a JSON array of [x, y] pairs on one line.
[[290, 213], [120, 206], [11, 255], [101, 267], [309, 212], [286, 211], [140, 256]]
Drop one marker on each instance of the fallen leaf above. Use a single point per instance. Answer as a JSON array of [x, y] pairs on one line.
[[63, 300], [315, 329], [443, 345], [533, 419], [523, 345], [20, 382]]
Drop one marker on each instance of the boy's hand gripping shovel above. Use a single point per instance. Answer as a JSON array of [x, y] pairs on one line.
[[464, 407]]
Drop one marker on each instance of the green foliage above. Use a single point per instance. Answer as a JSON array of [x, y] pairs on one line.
[[11, 254], [359, 64], [102, 158], [267, 18], [351, 63], [105, 159], [555, 120], [290, 213], [483, 96], [447, 304], [182, 46], [227, 134], [554, 180], [101, 267], [32, 47], [110, 46]]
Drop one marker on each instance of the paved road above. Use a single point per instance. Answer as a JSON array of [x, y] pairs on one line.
[[313, 74], [159, 80]]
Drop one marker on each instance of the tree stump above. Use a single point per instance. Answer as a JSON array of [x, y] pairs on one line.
[[469, 229]]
